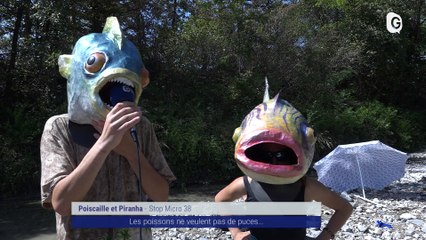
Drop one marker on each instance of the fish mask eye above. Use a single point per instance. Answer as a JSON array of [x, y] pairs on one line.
[[95, 62], [237, 134], [310, 135]]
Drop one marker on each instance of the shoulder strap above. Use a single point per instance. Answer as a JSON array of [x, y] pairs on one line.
[[254, 189]]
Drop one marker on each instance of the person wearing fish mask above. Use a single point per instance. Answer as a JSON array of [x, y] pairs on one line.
[[274, 149], [89, 154]]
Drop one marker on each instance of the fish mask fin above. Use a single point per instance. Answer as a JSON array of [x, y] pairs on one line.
[[113, 31], [237, 133], [64, 62], [266, 95]]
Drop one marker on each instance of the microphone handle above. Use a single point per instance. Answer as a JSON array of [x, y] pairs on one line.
[[134, 134]]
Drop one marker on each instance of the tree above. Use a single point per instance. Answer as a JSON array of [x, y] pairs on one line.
[[332, 59]]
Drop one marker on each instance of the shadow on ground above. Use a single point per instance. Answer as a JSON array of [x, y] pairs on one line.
[[26, 220], [196, 193], [411, 191]]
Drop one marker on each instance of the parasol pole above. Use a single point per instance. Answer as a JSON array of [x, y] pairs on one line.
[[360, 175], [368, 200]]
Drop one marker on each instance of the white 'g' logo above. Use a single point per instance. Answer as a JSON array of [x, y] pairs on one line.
[[393, 22]]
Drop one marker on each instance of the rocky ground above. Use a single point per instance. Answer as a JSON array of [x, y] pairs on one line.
[[401, 205]]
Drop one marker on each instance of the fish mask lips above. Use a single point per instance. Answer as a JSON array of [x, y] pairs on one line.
[[252, 155]]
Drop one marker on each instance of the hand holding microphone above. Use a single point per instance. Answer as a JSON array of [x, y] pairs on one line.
[[123, 93]]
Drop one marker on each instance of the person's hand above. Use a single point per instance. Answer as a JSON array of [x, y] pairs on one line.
[[242, 236], [122, 117]]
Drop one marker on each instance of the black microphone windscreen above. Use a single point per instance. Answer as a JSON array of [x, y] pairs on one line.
[[121, 93]]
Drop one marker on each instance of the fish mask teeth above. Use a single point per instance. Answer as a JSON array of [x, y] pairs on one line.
[[105, 91], [124, 81]]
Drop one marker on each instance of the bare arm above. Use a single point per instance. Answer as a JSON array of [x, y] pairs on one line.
[[75, 186], [343, 210], [154, 185], [230, 193]]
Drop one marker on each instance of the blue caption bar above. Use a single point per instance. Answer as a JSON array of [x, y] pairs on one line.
[[196, 221]]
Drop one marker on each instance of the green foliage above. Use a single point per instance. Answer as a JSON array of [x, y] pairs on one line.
[[370, 121], [332, 59], [124, 234], [18, 140], [331, 3], [195, 153], [197, 150]]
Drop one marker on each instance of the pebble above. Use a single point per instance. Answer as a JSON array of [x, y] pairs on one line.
[[401, 204], [416, 222], [362, 228], [407, 216]]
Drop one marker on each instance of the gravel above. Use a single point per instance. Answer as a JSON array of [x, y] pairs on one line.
[[400, 207]]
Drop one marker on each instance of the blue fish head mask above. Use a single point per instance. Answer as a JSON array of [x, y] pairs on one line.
[[99, 62]]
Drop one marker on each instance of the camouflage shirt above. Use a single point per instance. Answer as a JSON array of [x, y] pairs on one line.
[[116, 181]]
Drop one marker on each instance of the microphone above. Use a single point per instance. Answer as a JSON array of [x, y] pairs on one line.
[[123, 93]]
